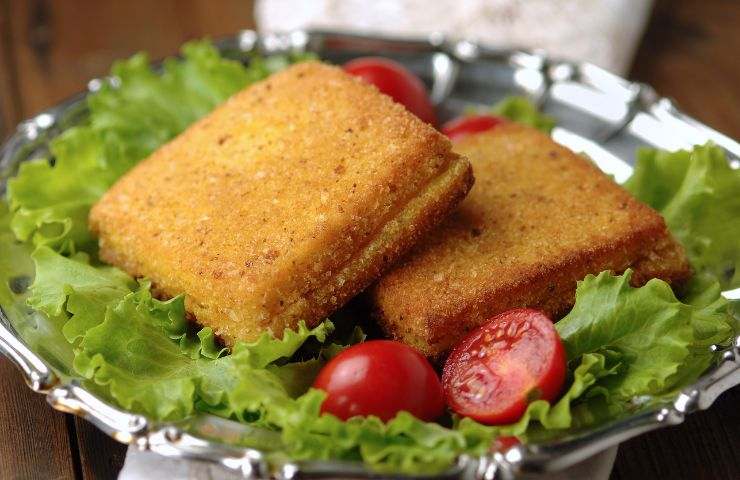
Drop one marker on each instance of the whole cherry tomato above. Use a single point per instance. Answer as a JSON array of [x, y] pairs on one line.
[[381, 378], [469, 124], [502, 444], [497, 370], [397, 82]]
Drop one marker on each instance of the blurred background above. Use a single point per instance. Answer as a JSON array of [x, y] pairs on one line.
[[689, 50], [686, 49]]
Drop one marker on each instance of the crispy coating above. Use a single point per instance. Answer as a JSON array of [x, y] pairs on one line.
[[538, 219], [283, 203]]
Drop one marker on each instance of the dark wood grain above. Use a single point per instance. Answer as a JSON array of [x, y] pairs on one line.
[[100, 455], [35, 442], [9, 95], [705, 446], [60, 45], [691, 53], [50, 48]]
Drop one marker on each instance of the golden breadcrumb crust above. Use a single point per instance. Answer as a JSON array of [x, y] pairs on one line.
[[538, 219], [283, 203]]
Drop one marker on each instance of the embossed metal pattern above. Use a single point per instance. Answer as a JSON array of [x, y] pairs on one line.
[[598, 113]]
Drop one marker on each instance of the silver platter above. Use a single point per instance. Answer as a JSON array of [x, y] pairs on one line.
[[598, 113]]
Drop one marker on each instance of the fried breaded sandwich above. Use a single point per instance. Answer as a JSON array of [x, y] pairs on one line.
[[283, 203], [538, 219]]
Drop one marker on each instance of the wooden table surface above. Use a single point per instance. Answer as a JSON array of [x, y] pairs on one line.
[[48, 49]]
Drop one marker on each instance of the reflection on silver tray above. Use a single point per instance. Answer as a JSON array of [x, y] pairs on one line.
[[598, 113]]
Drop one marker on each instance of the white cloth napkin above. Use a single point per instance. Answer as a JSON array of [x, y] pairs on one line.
[[605, 32]]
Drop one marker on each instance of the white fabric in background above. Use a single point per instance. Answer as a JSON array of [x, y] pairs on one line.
[[605, 32], [141, 465]]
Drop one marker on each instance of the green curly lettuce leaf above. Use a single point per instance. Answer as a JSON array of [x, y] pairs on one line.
[[139, 348], [16, 268], [130, 117], [656, 343], [40, 334], [404, 444], [58, 277], [143, 109], [698, 194], [138, 365], [51, 202], [522, 110], [266, 349]]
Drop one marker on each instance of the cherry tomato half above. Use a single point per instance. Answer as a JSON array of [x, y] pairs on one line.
[[498, 369], [397, 82], [466, 125], [381, 378]]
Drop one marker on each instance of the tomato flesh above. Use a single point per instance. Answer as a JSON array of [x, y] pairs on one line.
[[397, 82], [497, 370], [381, 378], [460, 127]]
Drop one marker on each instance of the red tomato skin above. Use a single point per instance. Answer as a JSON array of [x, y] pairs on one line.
[[523, 355], [397, 82], [501, 444], [466, 125], [381, 378]]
